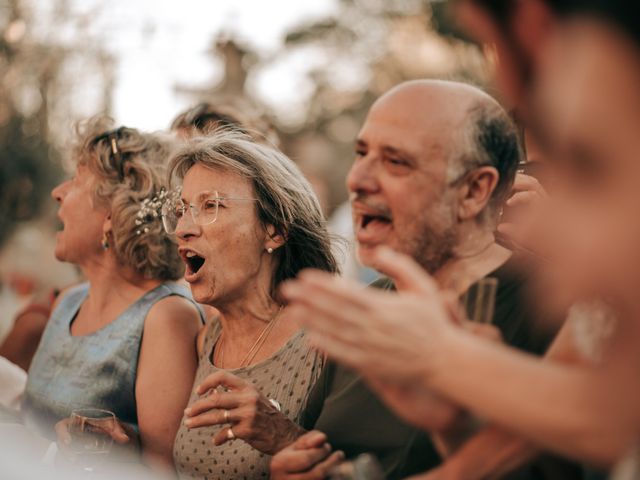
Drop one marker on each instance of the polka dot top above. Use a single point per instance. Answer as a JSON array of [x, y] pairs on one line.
[[286, 377]]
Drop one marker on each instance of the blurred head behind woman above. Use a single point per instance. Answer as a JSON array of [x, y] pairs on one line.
[[247, 220], [208, 117]]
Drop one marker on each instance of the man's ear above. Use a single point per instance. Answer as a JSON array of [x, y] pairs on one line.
[[274, 239], [476, 192]]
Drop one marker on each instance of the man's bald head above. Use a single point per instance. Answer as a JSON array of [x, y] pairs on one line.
[[464, 123]]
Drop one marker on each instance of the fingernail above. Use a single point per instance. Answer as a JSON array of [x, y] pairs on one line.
[[187, 411], [188, 422], [340, 453]]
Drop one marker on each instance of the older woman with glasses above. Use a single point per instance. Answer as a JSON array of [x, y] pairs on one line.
[[246, 221], [122, 341]]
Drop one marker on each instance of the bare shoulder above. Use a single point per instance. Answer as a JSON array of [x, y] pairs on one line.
[[171, 313]]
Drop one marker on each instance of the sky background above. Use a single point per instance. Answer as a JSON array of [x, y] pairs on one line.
[[159, 44]]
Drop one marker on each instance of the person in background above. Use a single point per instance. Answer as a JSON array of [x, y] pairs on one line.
[[207, 117], [122, 341]]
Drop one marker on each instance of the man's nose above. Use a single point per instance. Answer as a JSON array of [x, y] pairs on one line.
[[363, 176]]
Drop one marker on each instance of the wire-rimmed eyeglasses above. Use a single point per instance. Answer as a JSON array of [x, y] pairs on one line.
[[203, 212]]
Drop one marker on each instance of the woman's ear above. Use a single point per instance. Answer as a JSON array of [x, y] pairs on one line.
[[476, 192], [274, 239], [107, 226]]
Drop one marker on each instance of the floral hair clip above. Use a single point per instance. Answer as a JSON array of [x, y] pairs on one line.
[[151, 208]]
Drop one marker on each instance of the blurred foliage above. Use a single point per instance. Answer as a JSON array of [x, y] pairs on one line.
[[36, 95], [367, 47]]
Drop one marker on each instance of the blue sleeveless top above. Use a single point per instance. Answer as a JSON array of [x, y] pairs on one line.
[[97, 370]]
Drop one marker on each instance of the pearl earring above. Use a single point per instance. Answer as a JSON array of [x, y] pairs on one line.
[[269, 250]]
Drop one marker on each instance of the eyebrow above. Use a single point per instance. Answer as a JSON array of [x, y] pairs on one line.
[[387, 149], [207, 193]]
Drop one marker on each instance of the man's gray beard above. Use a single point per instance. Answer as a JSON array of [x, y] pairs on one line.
[[433, 250], [435, 246]]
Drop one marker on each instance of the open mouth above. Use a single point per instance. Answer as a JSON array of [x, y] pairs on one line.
[[193, 261], [367, 221]]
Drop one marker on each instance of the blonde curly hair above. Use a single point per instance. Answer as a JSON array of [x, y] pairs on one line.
[[130, 166]]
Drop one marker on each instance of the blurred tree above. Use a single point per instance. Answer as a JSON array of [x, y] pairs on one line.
[[36, 96], [368, 46], [357, 54]]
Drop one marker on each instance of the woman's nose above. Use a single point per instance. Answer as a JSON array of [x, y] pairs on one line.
[[186, 227], [58, 192]]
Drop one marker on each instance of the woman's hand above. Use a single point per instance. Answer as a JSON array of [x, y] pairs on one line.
[[120, 432], [250, 415], [310, 457]]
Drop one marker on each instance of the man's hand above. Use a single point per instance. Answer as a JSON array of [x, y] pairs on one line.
[[308, 458], [528, 199]]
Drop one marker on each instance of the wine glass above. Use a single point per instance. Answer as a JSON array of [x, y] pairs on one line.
[[480, 300], [90, 430]]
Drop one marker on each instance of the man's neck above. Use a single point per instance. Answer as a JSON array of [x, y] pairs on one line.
[[472, 261]]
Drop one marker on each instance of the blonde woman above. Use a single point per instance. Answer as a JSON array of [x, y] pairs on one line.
[[122, 341]]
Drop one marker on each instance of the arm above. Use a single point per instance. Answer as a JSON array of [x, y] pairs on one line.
[[493, 451], [166, 370], [408, 338]]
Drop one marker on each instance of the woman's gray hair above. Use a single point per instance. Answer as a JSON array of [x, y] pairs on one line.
[[285, 198]]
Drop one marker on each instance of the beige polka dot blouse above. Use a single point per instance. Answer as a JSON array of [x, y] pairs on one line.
[[286, 377]]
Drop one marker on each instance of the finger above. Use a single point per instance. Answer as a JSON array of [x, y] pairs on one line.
[[312, 439], [62, 432], [317, 289], [329, 304], [337, 350], [119, 434], [523, 198], [220, 401], [220, 378], [322, 469], [525, 182], [299, 461], [223, 436], [404, 271], [339, 325], [213, 417]]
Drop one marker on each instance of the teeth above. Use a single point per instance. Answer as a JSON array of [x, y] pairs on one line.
[[190, 254]]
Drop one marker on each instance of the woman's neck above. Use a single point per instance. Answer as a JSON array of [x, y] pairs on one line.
[[111, 285], [242, 318]]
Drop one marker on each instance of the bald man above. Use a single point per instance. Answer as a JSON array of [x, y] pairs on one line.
[[434, 163]]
